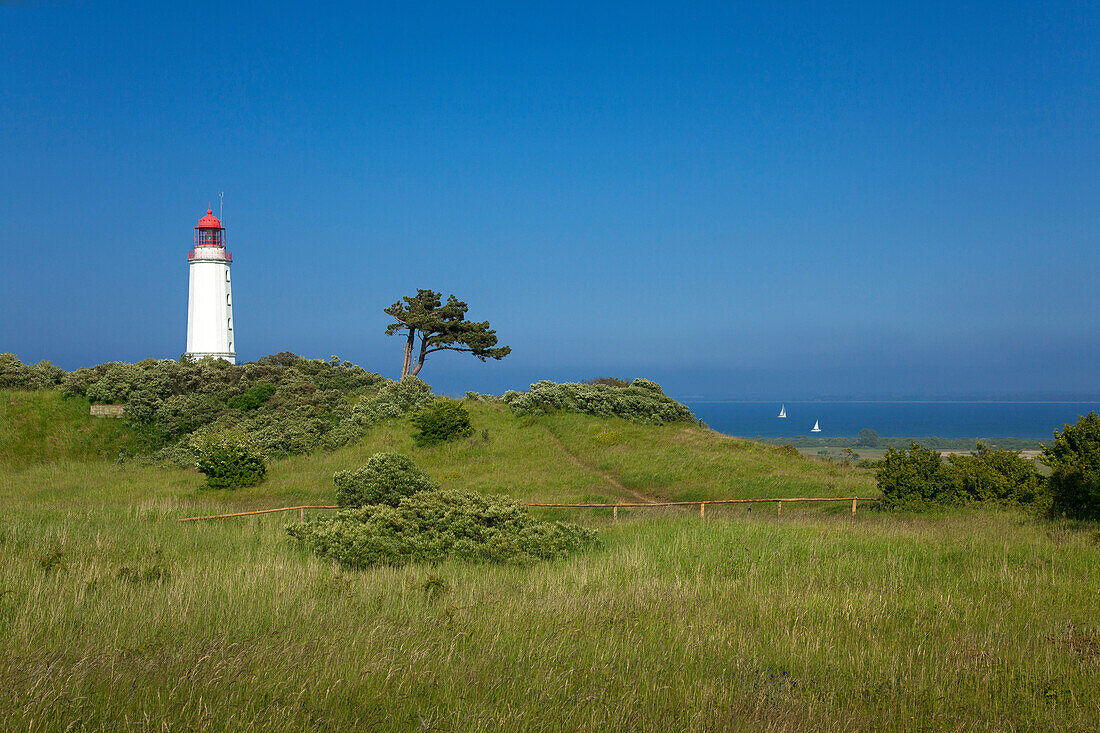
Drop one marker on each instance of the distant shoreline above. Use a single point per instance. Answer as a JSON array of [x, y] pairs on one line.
[[840, 442], [893, 402]]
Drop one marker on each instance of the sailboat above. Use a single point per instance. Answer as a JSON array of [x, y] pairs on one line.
[[783, 411], [815, 428]]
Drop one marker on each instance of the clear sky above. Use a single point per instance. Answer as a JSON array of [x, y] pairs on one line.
[[775, 200]]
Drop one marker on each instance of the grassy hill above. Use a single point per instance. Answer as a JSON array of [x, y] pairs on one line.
[[42, 427], [114, 615]]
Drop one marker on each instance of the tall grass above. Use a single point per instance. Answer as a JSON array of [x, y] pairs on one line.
[[114, 616]]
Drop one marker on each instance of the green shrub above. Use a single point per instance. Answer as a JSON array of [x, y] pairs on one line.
[[995, 475], [229, 460], [14, 374], [919, 477], [1074, 459], [444, 419], [394, 399], [914, 478], [253, 397], [609, 381], [642, 401], [432, 526], [304, 401], [387, 478]]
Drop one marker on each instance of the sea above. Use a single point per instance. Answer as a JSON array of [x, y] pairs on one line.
[[1036, 420]]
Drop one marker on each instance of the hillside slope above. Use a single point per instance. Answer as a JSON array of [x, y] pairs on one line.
[[556, 458], [43, 427]]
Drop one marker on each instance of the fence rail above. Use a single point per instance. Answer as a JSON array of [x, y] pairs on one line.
[[614, 507]]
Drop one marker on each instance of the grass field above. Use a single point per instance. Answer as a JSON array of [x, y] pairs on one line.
[[115, 616]]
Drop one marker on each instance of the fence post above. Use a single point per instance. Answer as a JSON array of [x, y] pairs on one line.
[[778, 508], [853, 507], [302, 515], [702, 510], [615, 512]]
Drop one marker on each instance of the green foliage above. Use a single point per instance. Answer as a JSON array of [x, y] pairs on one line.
[[387, 478], [995, 475], [442, 420], [609, 381], [393, 400], [253, 397], [441, 327], [914, 478], [289, 404], [1074, 459], [229, 460], [14, 374], [918, 477], [790, 451], [867, 438], [432, 526], [942, 444], [642, 401]]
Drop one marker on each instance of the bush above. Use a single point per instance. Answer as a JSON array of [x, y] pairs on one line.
[[229, 460], [253, 397], [387, 478], [914, 478], [995, 475], [393, 400], [642, 401], [432, 526], [444, 419], [1074, 459], [288, 403], [609, 381], [14, 374], [918, 477]]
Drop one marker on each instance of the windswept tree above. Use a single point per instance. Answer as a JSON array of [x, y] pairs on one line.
[[440, 327]]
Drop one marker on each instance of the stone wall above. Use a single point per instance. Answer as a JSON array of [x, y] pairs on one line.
[[107, 410]]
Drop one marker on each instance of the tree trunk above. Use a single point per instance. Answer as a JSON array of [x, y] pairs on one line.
[[408, 352], [423, 355]]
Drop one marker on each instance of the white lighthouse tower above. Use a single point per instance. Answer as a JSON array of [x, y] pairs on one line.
[[209, 298]]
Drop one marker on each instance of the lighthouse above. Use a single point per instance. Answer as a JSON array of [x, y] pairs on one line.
[[209, 297]]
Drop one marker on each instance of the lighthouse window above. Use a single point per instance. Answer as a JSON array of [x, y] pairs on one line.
[[230, 324], [227, 275], [228, 299]]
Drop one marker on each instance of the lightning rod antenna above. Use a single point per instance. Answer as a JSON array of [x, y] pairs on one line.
[[221, 203]]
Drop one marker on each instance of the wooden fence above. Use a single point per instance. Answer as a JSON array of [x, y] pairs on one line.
[[613, 507]]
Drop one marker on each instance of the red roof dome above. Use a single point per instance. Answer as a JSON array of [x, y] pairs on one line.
[[209, 221]]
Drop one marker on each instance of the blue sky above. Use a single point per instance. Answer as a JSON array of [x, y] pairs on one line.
[[741, 200]]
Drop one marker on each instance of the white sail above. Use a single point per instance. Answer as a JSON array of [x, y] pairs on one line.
[[815, 428], [783, 411]]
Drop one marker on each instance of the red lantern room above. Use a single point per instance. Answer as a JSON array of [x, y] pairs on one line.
[[209, 232]]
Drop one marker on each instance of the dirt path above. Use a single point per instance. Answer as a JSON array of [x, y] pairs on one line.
[[606, 476]]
